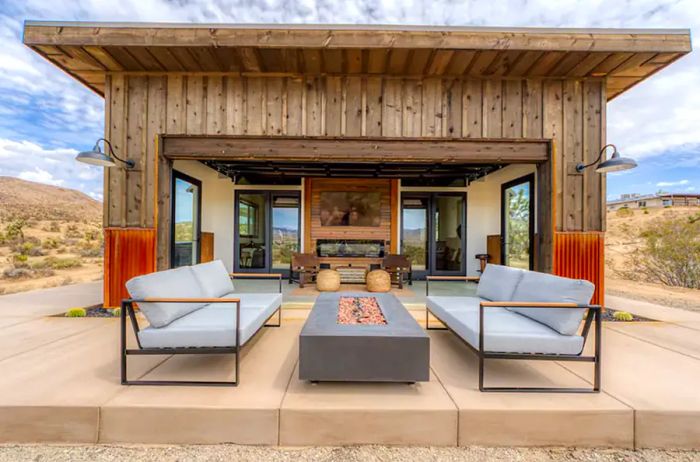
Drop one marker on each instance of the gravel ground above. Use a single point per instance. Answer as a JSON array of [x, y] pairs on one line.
[[98, 453]]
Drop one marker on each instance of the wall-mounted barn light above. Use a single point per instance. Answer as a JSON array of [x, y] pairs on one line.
[[614, 164], [97, 157]]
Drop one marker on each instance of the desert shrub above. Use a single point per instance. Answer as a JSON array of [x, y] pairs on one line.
[[73, 232], [61, 250], [90, 251], [91, 235], [29, 249], [18, 260], [623, 316], [624, 212], [670, 253], [14, 230], [76, 313], [50, 243], [17, 273], [62, 263], [54, 227], [3, 238]]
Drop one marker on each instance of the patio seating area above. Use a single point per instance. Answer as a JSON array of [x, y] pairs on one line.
[[61, 383]]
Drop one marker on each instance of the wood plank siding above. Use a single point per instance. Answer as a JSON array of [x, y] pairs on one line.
[[140, 108]]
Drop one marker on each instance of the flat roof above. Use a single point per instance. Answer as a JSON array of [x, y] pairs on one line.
[[90, 50]]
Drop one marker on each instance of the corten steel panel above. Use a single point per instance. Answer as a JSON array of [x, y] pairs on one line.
[[129, 252], [398, 351], [581, 255]]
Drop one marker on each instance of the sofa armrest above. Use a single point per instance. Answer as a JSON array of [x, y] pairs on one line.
[[259, 276], [448, 278], [184, 300], [514, 304]]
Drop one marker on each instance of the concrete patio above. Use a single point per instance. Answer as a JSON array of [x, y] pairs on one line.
[[60, 384]]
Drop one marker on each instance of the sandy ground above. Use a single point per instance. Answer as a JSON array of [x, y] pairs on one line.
[[677, 297], [327, 454]]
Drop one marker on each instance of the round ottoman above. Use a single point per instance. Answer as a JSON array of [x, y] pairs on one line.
[[378, 281], [328, 280]]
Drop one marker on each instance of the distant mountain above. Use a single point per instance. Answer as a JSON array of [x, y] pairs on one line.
[[414, 234], [30, 200], [285, 233]]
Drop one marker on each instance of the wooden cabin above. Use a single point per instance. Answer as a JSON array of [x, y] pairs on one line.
[[351, 142]]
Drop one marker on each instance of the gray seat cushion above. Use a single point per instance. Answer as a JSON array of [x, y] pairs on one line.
[[542, 287], [174, 283], [213, 278], [211, 326], [497, 283], [504, 330]]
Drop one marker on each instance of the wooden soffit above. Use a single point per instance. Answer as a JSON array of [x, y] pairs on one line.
[[354, 150], [624, 57]]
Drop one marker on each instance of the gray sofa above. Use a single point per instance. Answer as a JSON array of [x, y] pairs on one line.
[[519, 314], [194, 310]]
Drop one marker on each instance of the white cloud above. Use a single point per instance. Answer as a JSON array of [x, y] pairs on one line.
[[672, 183], [40, 176], [690, 188]]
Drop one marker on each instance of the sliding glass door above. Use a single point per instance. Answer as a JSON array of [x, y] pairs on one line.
[[517, 222], [186, 223], [432, 232], [266, 230]]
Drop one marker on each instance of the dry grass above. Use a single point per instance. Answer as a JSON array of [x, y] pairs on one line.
[[622, 239]]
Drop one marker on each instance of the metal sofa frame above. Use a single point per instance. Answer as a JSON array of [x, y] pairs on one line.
[[593, 314], [127, 309]]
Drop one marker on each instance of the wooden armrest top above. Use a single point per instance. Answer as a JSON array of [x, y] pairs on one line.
[[187, 300], [256, 275], [534, 305], [452, 278]]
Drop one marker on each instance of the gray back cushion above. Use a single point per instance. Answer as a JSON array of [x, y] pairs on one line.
[[213, 278], [174, 283], [542, 287], [497, 283]]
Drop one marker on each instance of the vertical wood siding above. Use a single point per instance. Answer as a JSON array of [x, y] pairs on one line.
[[571, 112]]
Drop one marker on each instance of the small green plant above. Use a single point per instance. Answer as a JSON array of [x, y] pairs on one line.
[[624, 212], [50, 243], [117, 312], [14, 231], [76, 313], [62, 263], [623, 316]]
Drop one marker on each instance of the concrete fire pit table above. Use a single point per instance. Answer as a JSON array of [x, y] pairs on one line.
[[386, 346]]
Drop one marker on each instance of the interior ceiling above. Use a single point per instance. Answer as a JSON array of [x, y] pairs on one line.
[[623, 57], [279, 171]]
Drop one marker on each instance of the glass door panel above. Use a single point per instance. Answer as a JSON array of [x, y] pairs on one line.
[[251, 231], [517, 222], [285, 230], [448, 222], [414, 232], [186, 220]]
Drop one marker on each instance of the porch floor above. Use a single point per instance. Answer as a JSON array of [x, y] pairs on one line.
[[60, 384]]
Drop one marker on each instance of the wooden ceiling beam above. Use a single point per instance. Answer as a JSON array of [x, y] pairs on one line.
[[346, 149]]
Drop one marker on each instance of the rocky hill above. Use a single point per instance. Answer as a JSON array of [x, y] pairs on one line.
[[37, 201]]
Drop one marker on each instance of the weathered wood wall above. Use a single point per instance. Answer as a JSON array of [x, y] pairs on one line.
[[139, 107]]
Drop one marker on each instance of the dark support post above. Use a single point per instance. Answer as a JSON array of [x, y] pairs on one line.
[[238, 337], [598, 350], [481, 347], [122, 328]]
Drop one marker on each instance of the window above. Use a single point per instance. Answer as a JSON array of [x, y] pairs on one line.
[[642, 203], [667, 202], [248, 219]]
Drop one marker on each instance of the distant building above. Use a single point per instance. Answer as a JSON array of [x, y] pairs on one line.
[[638, 201]]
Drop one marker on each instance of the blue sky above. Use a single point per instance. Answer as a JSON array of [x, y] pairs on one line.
[[46, 118]]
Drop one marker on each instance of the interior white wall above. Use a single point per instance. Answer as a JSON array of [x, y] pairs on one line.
[[484, 210], [217, 207]]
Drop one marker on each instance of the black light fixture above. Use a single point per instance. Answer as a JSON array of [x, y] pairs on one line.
[[97, 157], [616, 163]]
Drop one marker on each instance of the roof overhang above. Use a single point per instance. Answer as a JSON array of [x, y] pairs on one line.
[[89, 51]]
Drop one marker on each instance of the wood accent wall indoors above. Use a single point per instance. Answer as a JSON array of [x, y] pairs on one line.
[[316, 231], [139, 107]]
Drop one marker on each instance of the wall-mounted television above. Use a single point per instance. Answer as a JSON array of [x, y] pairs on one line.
[[350, 208]]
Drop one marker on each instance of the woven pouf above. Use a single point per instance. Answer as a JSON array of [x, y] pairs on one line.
[[378, 281], [328, 280]]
